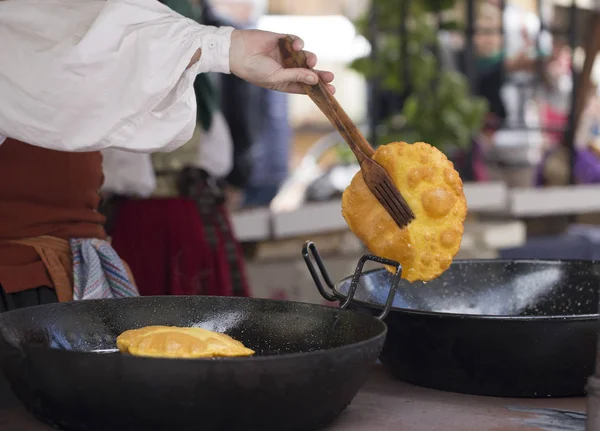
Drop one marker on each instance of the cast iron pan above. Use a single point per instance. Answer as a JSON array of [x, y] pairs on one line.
[[311, 361], [520, 328]]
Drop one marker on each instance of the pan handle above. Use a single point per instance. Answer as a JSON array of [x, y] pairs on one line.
[[310, 249]]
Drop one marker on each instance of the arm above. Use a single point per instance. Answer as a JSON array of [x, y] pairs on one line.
[[120, 73], [92, 90]]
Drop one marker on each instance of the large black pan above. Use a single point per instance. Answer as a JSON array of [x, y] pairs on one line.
[[523, 328], [311, 361]]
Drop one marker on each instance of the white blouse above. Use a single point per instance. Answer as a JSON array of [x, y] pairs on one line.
[[85, 75], [132, 174]]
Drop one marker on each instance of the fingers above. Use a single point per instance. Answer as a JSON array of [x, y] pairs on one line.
[[294, 79], [296, 88], [311, 59], [298, 43], [325, 76], [295, 75]]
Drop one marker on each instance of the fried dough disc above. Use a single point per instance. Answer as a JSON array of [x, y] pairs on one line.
[[432, 189], [176, 342]]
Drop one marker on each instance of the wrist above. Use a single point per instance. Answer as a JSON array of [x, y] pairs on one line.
[[214, 49], [236, 49]]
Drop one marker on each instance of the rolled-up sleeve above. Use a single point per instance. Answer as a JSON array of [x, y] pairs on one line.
[[84, 75]]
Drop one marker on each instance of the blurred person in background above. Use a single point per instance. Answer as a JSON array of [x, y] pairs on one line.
[[554, 95], [505, 63], [239, 103], [263, 135], [168, 217], [498, 56], [488, 59], [270, 152]]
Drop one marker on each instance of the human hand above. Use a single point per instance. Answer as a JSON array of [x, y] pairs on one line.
[[255, 57]]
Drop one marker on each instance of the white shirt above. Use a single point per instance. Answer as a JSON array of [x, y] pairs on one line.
[[84, 75], [132, 174], [215, 150], [128, 174]]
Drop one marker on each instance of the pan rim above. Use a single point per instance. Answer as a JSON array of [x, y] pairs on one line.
[[463, 316], [380, 337]]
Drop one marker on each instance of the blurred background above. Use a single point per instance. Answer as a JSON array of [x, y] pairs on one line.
[[507, 89]]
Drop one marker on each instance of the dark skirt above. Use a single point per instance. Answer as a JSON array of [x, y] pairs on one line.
[[13, 301], [182, 245], [27, 298]]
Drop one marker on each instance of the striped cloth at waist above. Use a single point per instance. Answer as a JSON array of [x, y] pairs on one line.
[[83, 268]]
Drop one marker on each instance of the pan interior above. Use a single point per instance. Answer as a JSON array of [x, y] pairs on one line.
[[493, 288], [268, 327]]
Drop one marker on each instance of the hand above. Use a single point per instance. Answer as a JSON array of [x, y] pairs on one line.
[[254, 56]]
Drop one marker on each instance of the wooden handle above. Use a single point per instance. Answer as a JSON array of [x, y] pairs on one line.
[[327, 103]]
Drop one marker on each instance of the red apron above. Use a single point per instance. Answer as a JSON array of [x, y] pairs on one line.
[[180, 245]]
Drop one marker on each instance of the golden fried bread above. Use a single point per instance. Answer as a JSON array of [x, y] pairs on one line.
[[176, 342], [432, 189]]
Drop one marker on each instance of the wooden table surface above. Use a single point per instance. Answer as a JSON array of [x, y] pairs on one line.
[[387, 404]]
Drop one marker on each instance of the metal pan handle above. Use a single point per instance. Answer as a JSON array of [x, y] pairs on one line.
[[310, 250]]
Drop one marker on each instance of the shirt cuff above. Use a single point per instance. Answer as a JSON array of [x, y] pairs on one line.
[[215, 51]]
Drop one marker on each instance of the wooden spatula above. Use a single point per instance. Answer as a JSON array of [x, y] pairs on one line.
[[376, 177]]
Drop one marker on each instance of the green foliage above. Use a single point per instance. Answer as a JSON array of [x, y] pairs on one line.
[[344, 154], [440, 109]]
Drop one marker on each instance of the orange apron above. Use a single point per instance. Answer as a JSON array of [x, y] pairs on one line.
[[57, 258]]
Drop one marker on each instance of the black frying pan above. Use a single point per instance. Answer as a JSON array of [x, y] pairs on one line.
[[521, 328], [311, 361]]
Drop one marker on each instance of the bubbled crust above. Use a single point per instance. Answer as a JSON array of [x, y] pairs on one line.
[[433, 190]]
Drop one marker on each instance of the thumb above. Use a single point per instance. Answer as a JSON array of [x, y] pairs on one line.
[[295, 75]]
